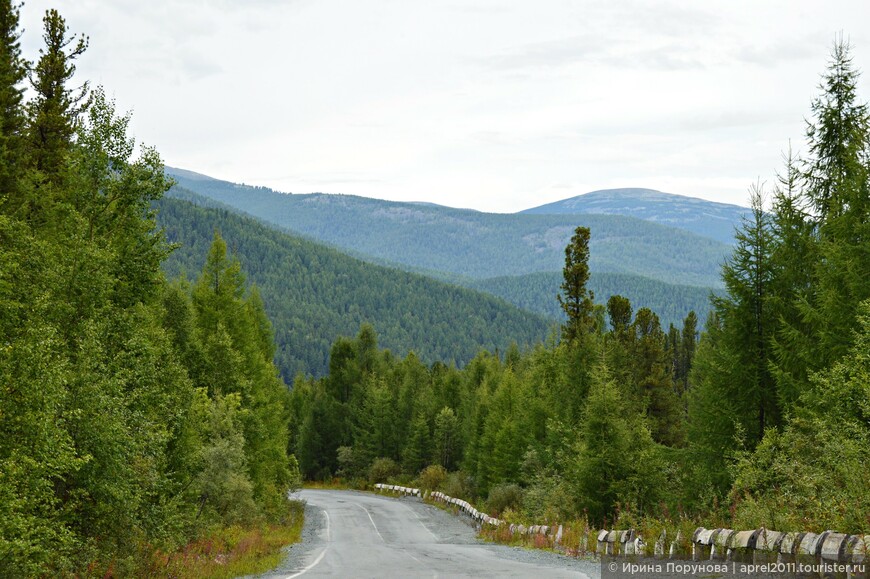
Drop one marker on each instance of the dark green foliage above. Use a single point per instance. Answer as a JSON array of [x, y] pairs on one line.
[[653, 379], [53, 112], [314, 294], [818, 468], [576, 300], [132, 416], [748, 325]]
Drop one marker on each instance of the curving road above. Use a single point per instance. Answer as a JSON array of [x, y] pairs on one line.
[[354, 534]]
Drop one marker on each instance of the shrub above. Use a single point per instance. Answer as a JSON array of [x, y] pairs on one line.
[[383, 469], [548, 499], [504, 496], [432, 477], [459, 485]]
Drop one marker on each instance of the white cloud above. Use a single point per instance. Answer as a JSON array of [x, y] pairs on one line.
[[495, 104]]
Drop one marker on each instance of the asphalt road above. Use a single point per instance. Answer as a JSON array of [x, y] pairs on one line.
[[354, 534]]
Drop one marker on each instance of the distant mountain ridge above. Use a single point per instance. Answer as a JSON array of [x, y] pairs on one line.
[[472, 244], [707, 218]]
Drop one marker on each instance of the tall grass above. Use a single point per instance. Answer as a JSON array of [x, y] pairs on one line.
[[228, 552]]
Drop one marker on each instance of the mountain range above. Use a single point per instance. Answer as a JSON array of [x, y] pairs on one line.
[[705, 218], [472, 244], [661, 251]]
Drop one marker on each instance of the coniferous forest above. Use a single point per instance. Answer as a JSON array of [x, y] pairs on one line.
[[142, 415]]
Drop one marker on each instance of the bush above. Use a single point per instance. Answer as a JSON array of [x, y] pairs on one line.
[[504, 496], [383, 469], [432, 477], [459, 485]]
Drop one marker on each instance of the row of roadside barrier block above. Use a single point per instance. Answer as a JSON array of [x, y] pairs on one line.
[[764, 546], [407, 491], [479, 517], [630, 543], [757, 546], [464, 506]]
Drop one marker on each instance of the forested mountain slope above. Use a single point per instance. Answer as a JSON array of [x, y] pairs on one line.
[[706, 218], [470, 243], [536, 292], [313, 294]]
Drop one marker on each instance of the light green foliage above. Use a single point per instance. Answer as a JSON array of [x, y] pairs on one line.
[[432, 477], [223, 483], [818, 468], [714, 431]]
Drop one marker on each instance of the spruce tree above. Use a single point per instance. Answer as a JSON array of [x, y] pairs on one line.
[[836, 189], [12, 121]]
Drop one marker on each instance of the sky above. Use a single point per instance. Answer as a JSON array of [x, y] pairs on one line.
[[495, 105]]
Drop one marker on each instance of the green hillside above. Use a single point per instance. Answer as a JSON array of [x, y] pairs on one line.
[[536, 292], [314, 293], [470, 243]]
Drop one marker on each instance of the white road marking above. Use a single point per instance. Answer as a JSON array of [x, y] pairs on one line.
[[372, 520], [419, 518], [319, 557]]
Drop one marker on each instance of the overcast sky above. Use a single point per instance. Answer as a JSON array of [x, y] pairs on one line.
[[495, 105]]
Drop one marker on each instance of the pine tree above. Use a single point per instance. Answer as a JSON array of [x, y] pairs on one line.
[[55, 109], [688, 343], [748, 324], [838, 136], [838, 184], [576, 300]]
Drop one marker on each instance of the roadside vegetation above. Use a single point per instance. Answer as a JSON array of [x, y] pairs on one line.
[[143, 424]]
